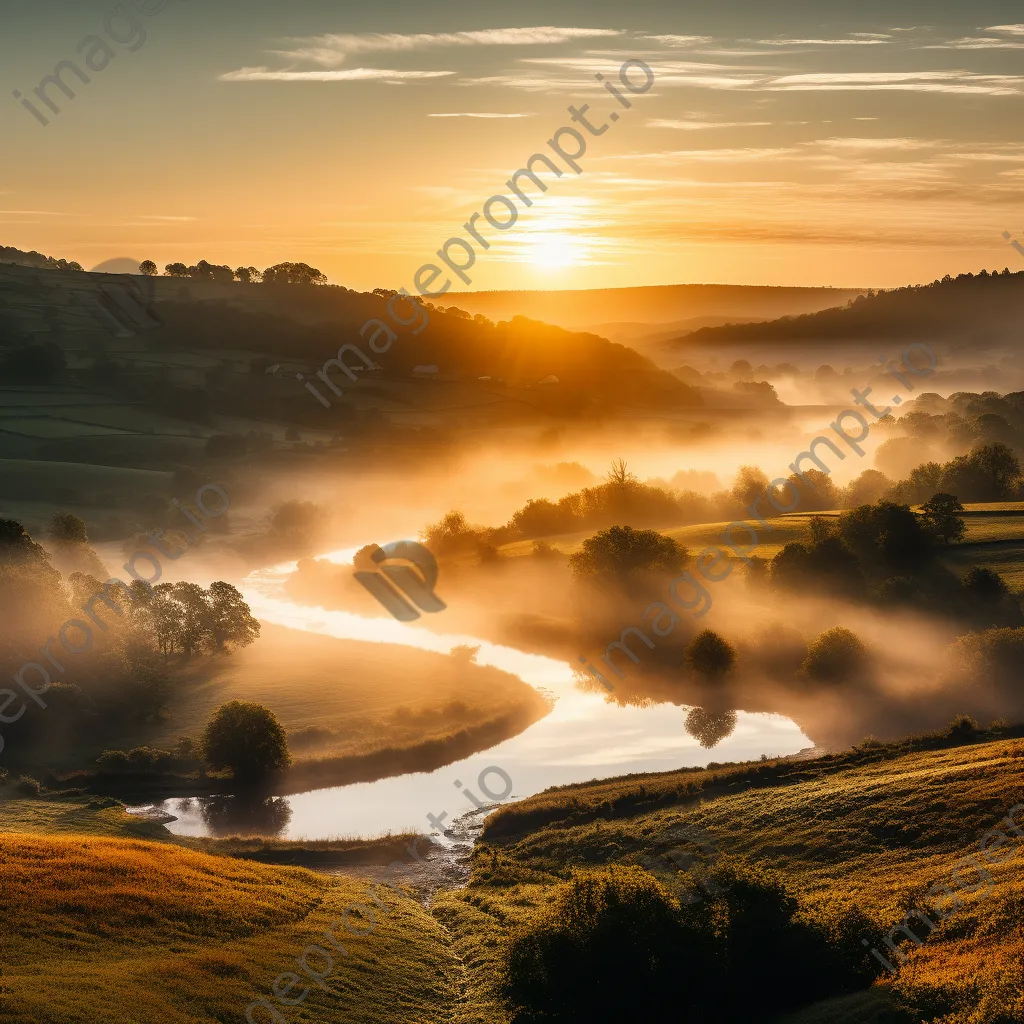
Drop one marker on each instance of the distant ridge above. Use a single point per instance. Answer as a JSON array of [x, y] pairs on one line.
[[8, 254], [652, 304]]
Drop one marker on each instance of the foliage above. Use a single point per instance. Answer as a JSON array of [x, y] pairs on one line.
[[248, 739], [622, 553], [293, 273], [709, 655], [944, 514], [617, 944], [67, 528], [147, 268], [836, 656]]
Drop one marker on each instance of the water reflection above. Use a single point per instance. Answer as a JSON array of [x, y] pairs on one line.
[[709, 728], [229, 815]]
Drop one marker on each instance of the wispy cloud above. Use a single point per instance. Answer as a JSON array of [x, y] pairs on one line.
[[528, 113], [864, 145], [681, 40], [691, 126], [331, 50], [347, 75], [860, 40], [1010, 30], [909, 81]]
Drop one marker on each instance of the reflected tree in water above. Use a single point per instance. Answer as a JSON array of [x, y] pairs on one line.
[[245, 815], [709, 728]]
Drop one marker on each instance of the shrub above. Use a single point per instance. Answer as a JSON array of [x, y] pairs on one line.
[[28, 786], [835, 657], [622, 553], [710, 655]]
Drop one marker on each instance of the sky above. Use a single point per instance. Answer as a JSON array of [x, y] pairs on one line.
[[795, 143]]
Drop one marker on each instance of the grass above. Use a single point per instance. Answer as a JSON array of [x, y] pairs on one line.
[[113, 929], [874, 827]]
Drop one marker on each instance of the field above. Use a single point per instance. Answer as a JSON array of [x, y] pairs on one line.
[[347, 706], [197, 938], [872, 828], [110, 929]]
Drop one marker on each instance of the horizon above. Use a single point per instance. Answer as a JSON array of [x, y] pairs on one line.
[[774, 149]]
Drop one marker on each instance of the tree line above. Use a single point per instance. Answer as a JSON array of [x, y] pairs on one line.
[[280, 273]]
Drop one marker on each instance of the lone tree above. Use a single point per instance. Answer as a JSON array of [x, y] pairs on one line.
[[944, 514], [147, 268], [710, 655], [67, 528], [246, 738], [835, 657], [622, 552]]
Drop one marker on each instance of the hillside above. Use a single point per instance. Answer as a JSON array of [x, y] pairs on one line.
[[657, 304], [980, 310], [100, 929], [873, 827]]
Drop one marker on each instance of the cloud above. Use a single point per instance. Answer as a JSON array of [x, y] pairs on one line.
[[977, 43], [332, 49], [912, 81], [689, 126], [852, 144], [1010, 30], [681, 40], [872, 40], [528, 113], [348, 75]]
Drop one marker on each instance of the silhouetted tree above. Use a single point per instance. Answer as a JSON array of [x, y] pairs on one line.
[[709, 655], [835, 656], [622, 552], [147, 268], [944, 514], [246, 738]]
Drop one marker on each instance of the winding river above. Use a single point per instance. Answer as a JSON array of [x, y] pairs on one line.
[[582, 738]]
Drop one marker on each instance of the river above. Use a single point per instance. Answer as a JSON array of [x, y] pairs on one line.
[[584, 737]]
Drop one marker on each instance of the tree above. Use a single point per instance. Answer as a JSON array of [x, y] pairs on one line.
[[622, 553], [817, 491], [709, 655], [989, 473], [192, 612], [293, 273], [231, 622], [944, 514], [750, 484], [67, 528], [176, 270], [148, 268], [886, 533], [248, 275], [709, 728], [246, 738], [834, 657]]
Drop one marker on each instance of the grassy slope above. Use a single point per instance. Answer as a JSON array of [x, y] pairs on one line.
[[871, 828], [108, 929], [348, 688]]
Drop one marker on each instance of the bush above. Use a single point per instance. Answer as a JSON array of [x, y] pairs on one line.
[[836, 656], [28, 786], [622, 553], [246, 738], [710, 655], [618, 945]]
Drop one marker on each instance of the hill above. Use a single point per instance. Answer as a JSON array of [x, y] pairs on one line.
[[625, 308], [979, 310], [873, 827], [113, 929]]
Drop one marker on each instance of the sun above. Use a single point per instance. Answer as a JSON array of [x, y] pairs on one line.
[[554, 251]]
